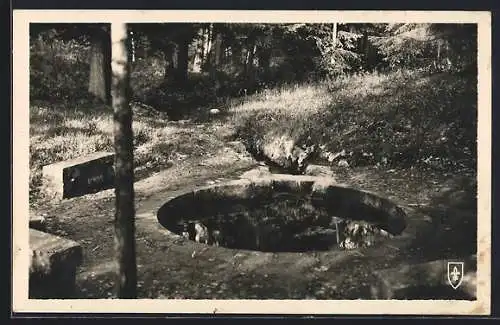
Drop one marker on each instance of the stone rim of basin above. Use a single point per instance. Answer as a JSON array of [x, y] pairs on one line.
[[322, 191]]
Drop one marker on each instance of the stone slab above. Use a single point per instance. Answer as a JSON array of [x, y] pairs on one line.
[[319, 170], [80, 176], [37, 222], [424, 281], [53, 265]]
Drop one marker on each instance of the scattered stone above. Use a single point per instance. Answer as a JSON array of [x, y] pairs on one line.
[[318, 170], [37, 222], [284, 152], [259, 171], [322, 268], [343, 163]]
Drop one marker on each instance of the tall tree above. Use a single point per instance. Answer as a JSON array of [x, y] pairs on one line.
[[124, 170], [95, 35], [99, 77], [184, 38]]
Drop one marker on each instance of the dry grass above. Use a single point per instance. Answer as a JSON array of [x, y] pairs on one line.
[[58, 133], [404, 117]]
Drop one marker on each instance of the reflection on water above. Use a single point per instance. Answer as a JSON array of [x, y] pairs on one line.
[[284, 222]]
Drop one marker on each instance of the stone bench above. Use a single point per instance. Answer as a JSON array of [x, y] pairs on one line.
[[53, 265], [80, 176], [37, 222], [424, 281]]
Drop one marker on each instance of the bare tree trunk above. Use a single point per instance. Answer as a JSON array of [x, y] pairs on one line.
[[265, 59], [334, 35], [132, 47], [207, 43], [126, 277], [215, 60], [218, 49], [100, 70], [170, 63], [183, 60], [249, 67], [198, 56]]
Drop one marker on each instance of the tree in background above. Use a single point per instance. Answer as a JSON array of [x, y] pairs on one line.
[[173, 40], [87, 44], [438, 47], [124, 167], [100, 58]]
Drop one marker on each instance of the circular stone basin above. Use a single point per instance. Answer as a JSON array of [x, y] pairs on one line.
[[278, 213]]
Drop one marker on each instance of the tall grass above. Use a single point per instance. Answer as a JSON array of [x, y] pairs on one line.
[[405, 117], [59, 133]]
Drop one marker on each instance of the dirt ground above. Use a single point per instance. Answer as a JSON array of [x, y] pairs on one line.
[[440, 225]]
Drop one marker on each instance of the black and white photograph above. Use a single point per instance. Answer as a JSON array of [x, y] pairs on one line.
[[245, 162]]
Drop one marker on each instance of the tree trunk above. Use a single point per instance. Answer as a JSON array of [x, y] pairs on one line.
[[215, 60], [183, 61], [265, 60], [207, 43], [100, 70], [126, 277], [334, 43], [218, 49], [334, 35], [198, 56], [132, 47], [170, 58], [249, 71]]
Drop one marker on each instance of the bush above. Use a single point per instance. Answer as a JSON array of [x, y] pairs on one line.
[[59, 70]]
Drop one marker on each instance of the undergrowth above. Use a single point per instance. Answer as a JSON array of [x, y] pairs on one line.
[[404, 118]]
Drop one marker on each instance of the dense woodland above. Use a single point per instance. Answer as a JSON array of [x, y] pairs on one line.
[[218, 60]]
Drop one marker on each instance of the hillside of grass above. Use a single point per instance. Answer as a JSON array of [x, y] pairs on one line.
[[405, 119]]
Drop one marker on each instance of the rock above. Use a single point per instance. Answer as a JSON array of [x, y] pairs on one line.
[[318, 170], [53, 265], [259, 171], [285, 153], [37, 222], [214, 111], [343, 163]]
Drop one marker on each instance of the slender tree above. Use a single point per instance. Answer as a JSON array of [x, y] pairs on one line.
[[124, 174]]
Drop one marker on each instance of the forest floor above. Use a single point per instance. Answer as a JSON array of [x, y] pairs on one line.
[[172, 156]]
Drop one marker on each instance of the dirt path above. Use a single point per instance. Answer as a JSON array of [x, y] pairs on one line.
[[169, 267]]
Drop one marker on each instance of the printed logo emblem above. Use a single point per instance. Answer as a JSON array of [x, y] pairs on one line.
[[455, 274]]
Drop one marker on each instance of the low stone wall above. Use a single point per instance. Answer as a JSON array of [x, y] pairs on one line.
[[53, 264]]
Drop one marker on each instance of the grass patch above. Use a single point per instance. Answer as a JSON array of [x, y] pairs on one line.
[[402, 118], [61, 132]]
